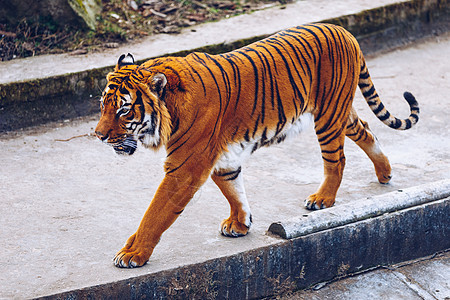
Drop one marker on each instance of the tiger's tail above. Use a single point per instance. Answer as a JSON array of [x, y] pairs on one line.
[[373, 100]]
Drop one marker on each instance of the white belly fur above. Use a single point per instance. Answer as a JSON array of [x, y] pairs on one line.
[[237, 153]]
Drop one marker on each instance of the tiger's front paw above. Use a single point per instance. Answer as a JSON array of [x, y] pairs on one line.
[[316, 201], [132, 255], [233, 228], [383, 175]]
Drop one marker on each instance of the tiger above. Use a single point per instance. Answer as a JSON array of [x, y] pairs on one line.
[[211, 112]]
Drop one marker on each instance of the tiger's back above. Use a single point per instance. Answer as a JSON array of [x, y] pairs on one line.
[[260, 91]]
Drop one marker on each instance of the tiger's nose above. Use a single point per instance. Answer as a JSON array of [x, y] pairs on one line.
[[101, 136]]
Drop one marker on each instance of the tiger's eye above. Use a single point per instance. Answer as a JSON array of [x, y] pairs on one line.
[[123, 110]]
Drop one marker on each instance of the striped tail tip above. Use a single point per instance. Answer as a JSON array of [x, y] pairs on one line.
[[414, 106], [410, 99], [413, 117]]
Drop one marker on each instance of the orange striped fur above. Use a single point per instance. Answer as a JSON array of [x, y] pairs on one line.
[[212, 111]]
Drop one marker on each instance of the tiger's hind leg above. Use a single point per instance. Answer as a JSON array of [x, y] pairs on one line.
[[332, 146], [231, 183], [358, 131]]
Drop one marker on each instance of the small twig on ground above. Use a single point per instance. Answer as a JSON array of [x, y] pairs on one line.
[[74, 137], [384, 77]]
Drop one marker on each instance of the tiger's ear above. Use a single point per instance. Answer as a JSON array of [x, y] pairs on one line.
[[158, 83], [125, 60]]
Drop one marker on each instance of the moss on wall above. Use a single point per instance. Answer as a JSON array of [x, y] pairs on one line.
[[87, 10]]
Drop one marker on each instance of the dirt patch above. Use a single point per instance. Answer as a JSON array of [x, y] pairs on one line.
[[120, 21]]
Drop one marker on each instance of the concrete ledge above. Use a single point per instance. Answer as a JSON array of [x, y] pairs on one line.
[[361, 210], [37, 101], [299, 262], [34, 102]]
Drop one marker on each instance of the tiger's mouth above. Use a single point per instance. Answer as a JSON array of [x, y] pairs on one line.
[[126, 147]]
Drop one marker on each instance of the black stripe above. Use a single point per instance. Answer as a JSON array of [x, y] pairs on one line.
[[255, 73], [330, 160], [330, 137], [298, 33], [206, 65], [175, 126], [255, 147], [273, 84], [112, 86], [246, 137], [384, 117], [408, 123], [335, 86], [396, 124], [332, 151], [370, 92], [363, 65], [281, 115], [292, 81], [353, 124], [360, 136], [372, 102], [255, 128], [225, 79], [264, 76], [363, 85], [264, 137], [364, 75], [184, 133], [330, 48], [237, 77], [173, 170], [297, 63], [378, 109], [199, 76], [337, 112], [140, 105], [317, 40], [234, 132], [234, 174], [124, 90], [174, 71], [304, 60]]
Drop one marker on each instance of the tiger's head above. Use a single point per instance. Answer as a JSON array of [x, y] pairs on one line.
[[133, 109]]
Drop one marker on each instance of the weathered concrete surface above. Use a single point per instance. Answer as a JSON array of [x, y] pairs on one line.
[[426, 279], [293, 264], [34, 91], [68, 206], [352, 212]]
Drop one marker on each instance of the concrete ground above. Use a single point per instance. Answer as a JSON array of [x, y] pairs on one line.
[[426, 279], [69, 203]]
